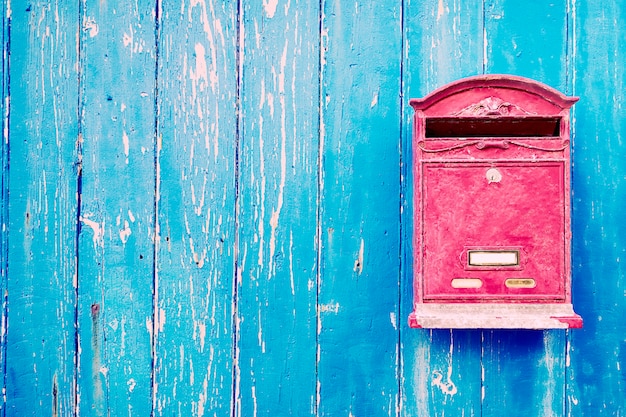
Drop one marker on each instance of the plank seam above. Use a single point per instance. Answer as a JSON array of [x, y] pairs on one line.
[[484, 63], [402, 230], [318, 204], [6, 42], [234, 409], [156, 229], [79, 188], [570, 83]]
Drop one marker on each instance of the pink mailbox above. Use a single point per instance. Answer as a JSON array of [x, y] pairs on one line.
[[491, 241]]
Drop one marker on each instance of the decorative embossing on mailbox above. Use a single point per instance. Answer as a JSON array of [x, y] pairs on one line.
[[492, 106], [491, 243]]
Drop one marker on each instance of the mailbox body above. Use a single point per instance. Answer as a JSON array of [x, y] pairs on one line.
[[491, 236]]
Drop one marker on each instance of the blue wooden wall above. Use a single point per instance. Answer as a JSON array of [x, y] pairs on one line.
[[206, 211]]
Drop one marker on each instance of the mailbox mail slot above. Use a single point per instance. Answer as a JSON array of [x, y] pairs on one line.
[[491, 236]]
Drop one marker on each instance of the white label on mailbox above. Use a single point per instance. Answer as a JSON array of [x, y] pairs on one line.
[[493, 258], [467, 283]]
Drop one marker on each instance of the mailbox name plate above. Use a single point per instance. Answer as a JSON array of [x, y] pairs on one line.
[[492, 258]]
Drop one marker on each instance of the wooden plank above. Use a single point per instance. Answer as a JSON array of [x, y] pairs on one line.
[[597, 354], [360, 209], [277, 209], [196, 208], [41, 224], [440, 369], [115, 277], [524, 372]]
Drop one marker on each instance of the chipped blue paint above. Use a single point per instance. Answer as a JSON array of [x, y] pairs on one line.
[[276, 209], [359, 218], [42, 210], [115, 252], [206, 210], [196, 246]]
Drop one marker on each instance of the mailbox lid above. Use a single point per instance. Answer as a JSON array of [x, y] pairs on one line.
[[493, 231], [494, 95]]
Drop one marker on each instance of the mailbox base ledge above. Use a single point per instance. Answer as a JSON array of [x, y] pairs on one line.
[[494, 316]]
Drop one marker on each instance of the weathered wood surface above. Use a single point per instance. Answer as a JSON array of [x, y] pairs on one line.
[[359, 208], [206, 208], [277, 209], [42, 125], [116, 229], [195, 198]]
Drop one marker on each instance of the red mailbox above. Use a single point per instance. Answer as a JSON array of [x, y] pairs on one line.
[[491, 241]]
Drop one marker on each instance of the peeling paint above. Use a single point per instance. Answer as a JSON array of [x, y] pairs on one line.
[[91, 26], [374, 101], [97, 228], [283, 161], [329, 308], [125, 232], [447, 388], [270, 7], [291, 276], [440, 10], [126, 143], [358, 263]]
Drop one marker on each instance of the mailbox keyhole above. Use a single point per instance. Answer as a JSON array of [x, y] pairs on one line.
[[493, 175]]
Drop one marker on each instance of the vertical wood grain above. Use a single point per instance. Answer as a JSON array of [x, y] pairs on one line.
[[441, 369], [524, 371], [277, 208], [597, 354], [196, 208], [360, 208], [116, 263], [41, 224]]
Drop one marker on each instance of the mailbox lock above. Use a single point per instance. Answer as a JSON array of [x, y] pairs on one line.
[[493, 175]]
